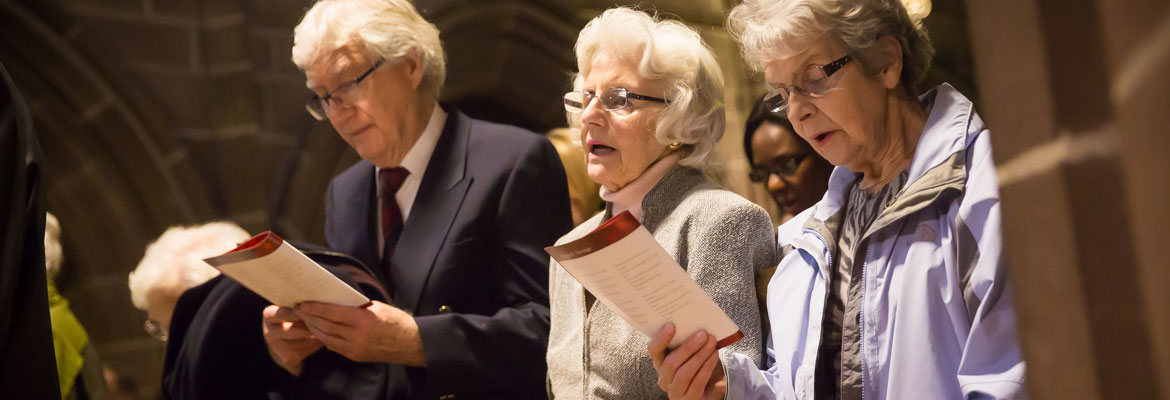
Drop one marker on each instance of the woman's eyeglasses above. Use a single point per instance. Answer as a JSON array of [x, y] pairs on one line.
[[155, 330], [782, 166], [612, 99], [814, 82]]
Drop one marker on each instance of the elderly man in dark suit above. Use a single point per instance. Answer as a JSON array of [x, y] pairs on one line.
[[450, 212]]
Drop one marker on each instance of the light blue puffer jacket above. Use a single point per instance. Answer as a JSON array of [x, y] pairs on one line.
[[936, 319]]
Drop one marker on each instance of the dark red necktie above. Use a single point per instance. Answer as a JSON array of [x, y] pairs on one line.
[[392, 179]]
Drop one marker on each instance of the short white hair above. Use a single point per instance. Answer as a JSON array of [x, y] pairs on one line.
[[669, 51], [54, 257], [388, 28], [175, 259], [777, 29]]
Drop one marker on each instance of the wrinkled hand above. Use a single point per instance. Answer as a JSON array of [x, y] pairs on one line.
[[691, 371], [289, 340], [377, 332]]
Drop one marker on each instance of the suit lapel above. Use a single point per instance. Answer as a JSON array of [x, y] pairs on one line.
[[435, 207]]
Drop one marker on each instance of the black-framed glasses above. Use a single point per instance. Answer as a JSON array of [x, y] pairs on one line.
[[155, 330], [612, 99], [318, 106], [782, 166], [813, 82]]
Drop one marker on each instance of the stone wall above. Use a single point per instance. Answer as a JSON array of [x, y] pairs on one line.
[[1076, 97]]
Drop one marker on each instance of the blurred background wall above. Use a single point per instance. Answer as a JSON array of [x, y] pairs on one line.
[[1077, 95]]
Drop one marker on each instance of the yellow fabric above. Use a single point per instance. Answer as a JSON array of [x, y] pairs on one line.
[[583, 192], [69, 340]]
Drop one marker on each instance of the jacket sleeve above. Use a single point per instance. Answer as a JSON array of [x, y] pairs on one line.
[[745, 381], [723, 257], [992, 365], [473, 355]]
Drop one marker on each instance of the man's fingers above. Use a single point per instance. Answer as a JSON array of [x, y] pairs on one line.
[[323, 332], [330, 311], [276, 313], [294, 331], [326, 325]]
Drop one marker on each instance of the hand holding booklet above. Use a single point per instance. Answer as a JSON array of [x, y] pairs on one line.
[[280, 273], [627, 270]]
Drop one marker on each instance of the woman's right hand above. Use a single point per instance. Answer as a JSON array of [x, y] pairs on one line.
[[691, 371]]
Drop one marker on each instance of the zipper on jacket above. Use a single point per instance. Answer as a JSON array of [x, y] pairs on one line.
[[861, 313], [585, 346], [827, 251], [821, 331]]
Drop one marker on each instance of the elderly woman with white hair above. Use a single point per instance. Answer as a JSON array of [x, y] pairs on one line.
[[174, 263], [892, 286], [648, 101]]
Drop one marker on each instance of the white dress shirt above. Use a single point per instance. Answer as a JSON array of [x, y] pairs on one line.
[[415, 162]]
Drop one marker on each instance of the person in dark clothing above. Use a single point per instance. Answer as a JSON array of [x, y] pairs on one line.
[[28, 369]]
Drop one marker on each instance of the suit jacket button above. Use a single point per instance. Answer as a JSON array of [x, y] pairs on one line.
[[443, 310]]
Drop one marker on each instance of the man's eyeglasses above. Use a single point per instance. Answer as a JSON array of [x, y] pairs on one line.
[[155, 330], [318, 106], [612, 99], [814, 82], [782, 166]]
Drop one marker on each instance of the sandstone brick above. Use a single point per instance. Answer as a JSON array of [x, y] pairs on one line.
[[277, 13], [185, 8], [223, 45], [233, 100], [284, 110], [105, 5], [183, 97], [146, 42], [240, 172]]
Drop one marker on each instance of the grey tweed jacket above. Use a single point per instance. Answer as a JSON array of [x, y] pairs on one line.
[[720, 238]]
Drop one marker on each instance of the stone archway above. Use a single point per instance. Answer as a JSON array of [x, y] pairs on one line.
[[113, 181]]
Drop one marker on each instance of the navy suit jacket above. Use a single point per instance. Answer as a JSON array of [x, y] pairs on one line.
[[469, 264]]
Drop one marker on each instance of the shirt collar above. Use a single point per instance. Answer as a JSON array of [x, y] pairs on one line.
[[419, 155]]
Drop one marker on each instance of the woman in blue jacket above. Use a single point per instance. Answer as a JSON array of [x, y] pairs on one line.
[[892, 286]]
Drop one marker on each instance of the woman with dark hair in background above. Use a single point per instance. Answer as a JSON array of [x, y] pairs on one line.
[[794, 175]]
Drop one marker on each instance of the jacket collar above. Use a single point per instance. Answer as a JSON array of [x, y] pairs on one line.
[[666, 195], [439, 198]]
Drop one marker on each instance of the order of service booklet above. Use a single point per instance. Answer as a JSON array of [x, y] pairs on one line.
[[280, 273], [627, 270]]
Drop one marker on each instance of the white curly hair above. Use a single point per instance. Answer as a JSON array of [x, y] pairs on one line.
[[669, 51], [777, 29], [388, 28], [175, 259]]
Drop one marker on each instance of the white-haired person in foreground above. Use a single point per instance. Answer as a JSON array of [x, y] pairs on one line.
[[893, 285], [174, 263], [648, 100], [450, 213]]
